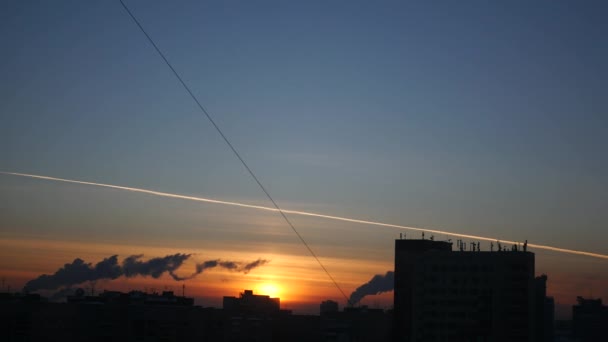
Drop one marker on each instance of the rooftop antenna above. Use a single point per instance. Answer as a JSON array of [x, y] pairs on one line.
[[478, 246], [491, 246], [499, 246], [422, 235], [526, 246]]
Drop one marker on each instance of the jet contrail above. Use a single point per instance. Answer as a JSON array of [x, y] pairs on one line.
[[304, 213]]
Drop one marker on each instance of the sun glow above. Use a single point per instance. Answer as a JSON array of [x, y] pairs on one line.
[[269, 289]]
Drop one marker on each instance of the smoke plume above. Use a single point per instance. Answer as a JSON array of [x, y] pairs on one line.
[[75, 273], [79, 271], [155, 267], [378, 284], [229, 265], [248, 267]]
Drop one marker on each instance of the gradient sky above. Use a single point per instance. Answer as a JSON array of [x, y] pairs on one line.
[[477, 117]]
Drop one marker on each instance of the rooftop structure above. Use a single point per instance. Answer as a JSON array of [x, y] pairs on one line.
[[248, 302], [467, 294]]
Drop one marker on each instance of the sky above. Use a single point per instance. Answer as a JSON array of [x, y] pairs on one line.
[[476, 117]]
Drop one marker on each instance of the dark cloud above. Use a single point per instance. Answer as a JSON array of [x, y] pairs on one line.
[[378, 284]]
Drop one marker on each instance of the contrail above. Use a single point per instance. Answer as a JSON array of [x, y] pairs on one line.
[[304, 213]]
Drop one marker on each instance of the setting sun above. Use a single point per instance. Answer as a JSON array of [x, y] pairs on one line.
[[272, 290]]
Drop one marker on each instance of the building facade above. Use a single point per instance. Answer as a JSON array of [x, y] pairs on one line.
[[590, 320], [446, 295]]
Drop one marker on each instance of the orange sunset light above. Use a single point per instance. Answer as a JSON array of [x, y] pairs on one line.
[[269, 289]]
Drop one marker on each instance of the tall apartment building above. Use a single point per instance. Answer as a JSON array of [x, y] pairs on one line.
[[446, 295]]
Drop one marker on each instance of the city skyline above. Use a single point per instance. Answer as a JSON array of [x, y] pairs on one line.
[[481, 119]]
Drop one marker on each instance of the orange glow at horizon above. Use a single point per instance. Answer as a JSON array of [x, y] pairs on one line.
[[292, 275], [269, 289], [293, 279], [304, 213]]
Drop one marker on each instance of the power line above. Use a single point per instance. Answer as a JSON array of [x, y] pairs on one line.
[[236, 153]]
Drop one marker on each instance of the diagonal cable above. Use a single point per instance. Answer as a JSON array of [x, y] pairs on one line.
[[236, 153]]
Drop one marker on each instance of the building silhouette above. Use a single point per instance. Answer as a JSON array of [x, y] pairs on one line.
[[110, 316], [328, 306], [360, 324], [249, 303], [590, 320], [440, 294], [250, 317], [544, 311], [463, 295]]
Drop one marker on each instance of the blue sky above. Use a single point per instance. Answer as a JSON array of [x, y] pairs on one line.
[[480, 117]]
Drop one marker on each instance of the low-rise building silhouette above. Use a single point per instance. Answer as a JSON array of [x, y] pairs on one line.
[[360, 324], [249, 303], [590, 320], [110, 316], [328, 306], [252, 317]]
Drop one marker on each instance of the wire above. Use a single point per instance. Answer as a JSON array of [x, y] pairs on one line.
[[236, 153]]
